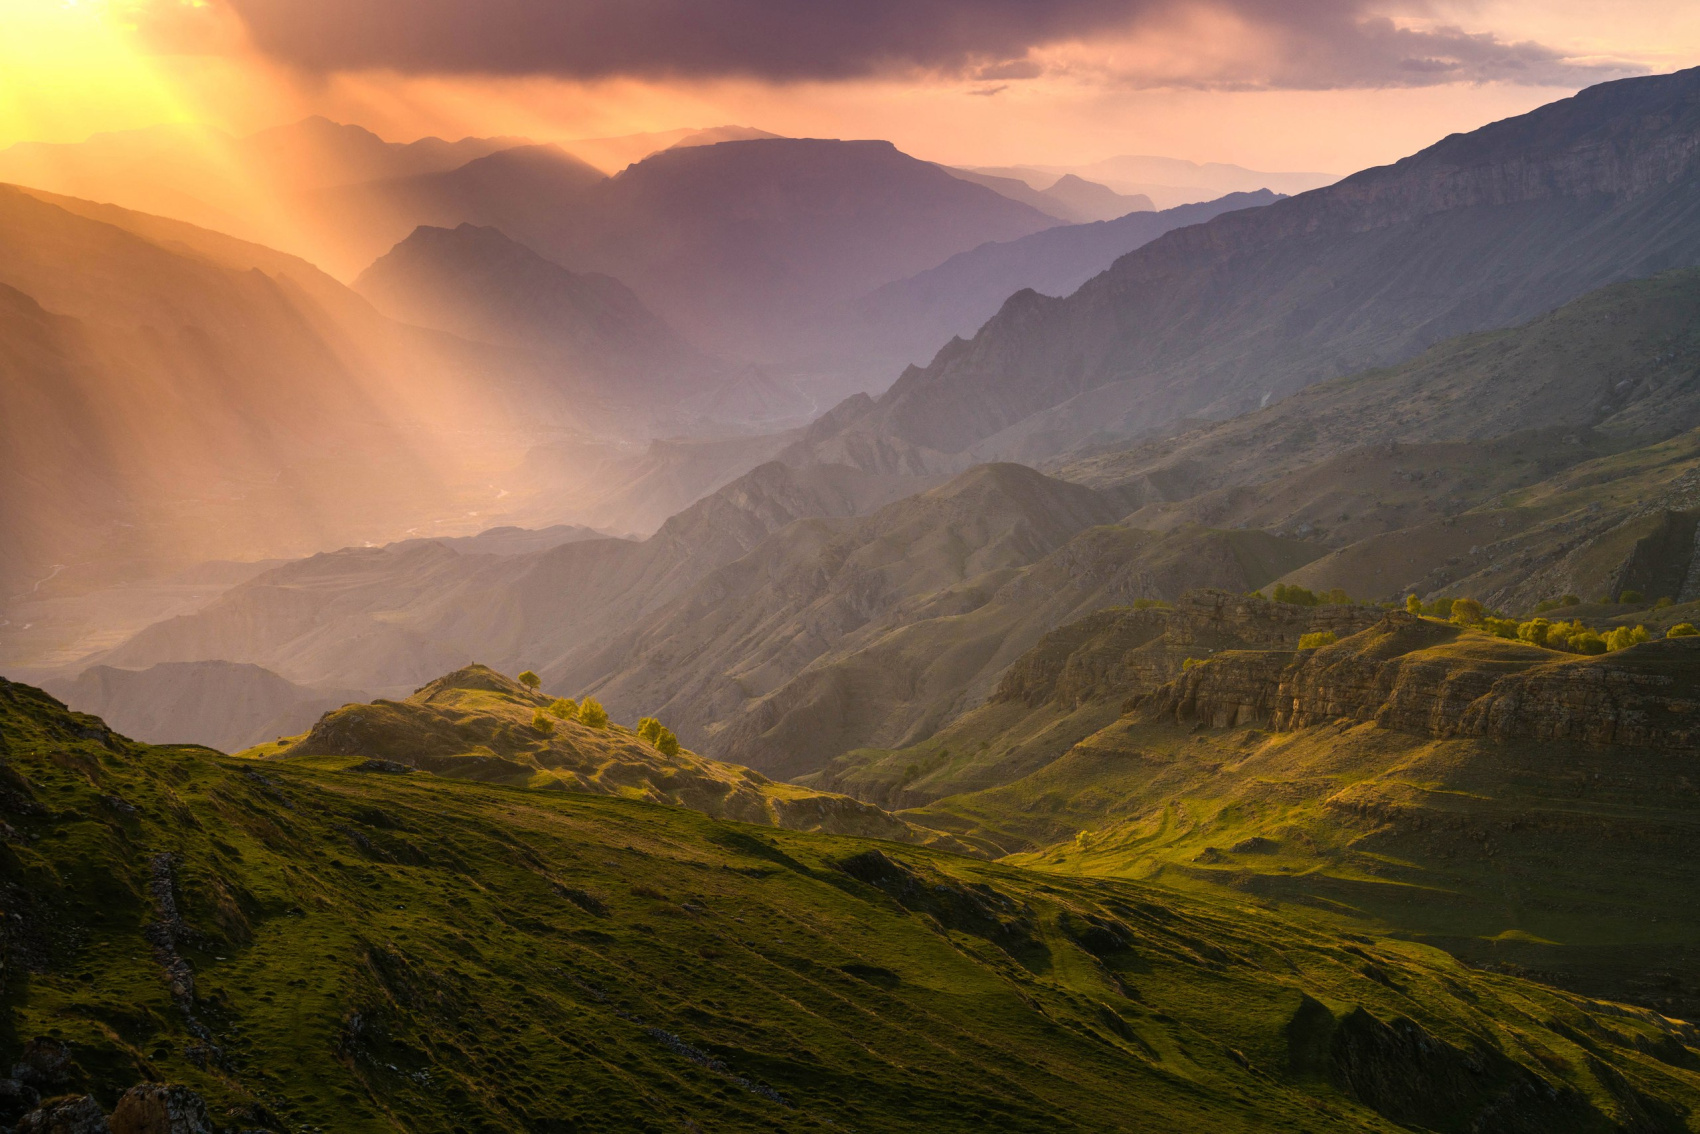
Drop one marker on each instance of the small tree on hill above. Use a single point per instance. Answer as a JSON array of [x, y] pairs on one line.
[[1623, 637], [1316, 639], [592, 714], [1683, 630], [563, 707], [530, 680], [1413, 604], [666, 742], [1467, 611], [649, 729], [1629, 596], [542, 722]]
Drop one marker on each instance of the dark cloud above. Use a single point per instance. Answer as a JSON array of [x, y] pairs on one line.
[[1299, 43]]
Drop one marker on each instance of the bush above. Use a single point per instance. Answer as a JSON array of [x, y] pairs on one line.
[[542, 723], [530, 680], [1295, 596], [1629, 596], [667, 742], [1664, 602], [1569, 600], [1534, 630], [1624, 637], [1188, 663], [1501, 627], [1588, 642], [563, 707], [1316, 639], [592, 714], [649, 729], [1683, 630], [1413, 604], [1149, 603]]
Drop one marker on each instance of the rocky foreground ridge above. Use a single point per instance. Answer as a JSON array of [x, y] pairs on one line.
[[1420, 676]]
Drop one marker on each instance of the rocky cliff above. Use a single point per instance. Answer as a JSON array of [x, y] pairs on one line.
[[1419, 676]]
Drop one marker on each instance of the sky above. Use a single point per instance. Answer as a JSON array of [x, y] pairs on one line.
[[1328, 85]]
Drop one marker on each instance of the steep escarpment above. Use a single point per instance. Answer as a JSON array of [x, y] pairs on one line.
[[1419, 676], [1481, 230]]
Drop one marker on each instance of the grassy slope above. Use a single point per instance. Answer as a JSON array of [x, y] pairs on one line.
[[404, 952], [1565, 859], [477, 724]]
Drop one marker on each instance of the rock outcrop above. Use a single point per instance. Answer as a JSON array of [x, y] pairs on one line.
[[1429, 678]]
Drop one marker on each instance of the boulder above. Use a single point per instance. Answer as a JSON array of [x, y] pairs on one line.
[[72, 1114], [160, 1108]]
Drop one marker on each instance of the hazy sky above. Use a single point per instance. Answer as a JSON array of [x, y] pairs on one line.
[[1276, 84]]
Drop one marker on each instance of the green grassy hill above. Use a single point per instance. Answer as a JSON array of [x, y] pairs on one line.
[[1522, 808], [314, 946], [476, 724]]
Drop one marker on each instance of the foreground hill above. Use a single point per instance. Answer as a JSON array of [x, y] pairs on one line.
[[319, 946], [476, 724], [1480, 230]]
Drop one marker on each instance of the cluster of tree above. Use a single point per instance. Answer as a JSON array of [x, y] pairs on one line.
[[1316, 639], [1571, 637], [590, 713]]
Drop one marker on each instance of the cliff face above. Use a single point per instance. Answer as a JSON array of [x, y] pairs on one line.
[[1427, 678]]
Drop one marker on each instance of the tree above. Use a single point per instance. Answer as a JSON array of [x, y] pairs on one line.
[[1623, 637], [530, 680], [667, 743], [542, 723], [1413, 604], [563, 707], [1683, 630], [649, 729], [1467, 611], [1569, 600], [1295, 596], [591, 713], [1629, 596], [1316, 639]]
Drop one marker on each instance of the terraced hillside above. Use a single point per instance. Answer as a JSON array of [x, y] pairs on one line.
[[307, 945], [1523, 808]]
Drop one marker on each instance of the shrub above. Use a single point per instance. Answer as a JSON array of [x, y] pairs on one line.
[[563, 707], [667, 742], [1149, 603], [1569, 600], [649, 728], [1501, 627], [530, 680], [1188, 663], [542, 722], [1534, 630], [1295, 596], [1545, 605], [592, 714], [1683, 630], [1629, 596], [1467, 611], [1316, 639], [1413, 604], [1623, 637], [1664, 602], [1337, 597]]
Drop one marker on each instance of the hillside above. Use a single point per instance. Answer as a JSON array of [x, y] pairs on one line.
[[308, 944], [1481, 230], [1511, 804], [956, 298], [223, 705], [476, 724]]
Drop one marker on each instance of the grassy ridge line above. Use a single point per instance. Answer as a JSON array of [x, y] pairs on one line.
[[388, 952]]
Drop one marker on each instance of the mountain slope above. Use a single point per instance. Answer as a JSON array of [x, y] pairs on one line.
[[955, 298], [476, 283], [222, 705], [1480, 230], [306, 944], [1511, 804]]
